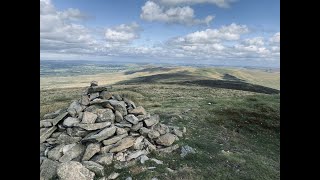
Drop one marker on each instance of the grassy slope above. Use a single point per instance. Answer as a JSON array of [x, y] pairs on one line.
[[244, 123]]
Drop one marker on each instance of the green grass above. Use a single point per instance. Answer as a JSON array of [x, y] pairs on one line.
[[244, 123]]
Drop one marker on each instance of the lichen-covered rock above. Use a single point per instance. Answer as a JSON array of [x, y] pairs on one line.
[[166, 139], [73, 170]]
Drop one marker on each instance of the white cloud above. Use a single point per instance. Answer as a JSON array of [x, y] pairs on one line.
[[123, 33], [275, 38], [219, 3], [182, 15], [257, 41]]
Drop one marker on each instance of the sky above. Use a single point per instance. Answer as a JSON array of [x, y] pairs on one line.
[[220, 32]]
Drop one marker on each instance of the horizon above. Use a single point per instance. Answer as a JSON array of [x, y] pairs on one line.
[[208, 32]]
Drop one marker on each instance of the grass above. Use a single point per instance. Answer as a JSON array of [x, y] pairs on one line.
[[235, 133]]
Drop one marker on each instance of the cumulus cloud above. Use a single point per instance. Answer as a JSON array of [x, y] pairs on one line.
[[123, 33], [275, 38], [219, 3], [182, 15]]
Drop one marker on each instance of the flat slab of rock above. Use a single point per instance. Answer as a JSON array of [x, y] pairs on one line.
[[136, 154], [106, 149], [136, 127], [161, 128], [84, 100], [98, 89], [121, 131], [152, 120], [66, 139], [48, 169], [70, 121], [89, 118], [138, 111], [132, 119], [102, 135], [119, 106], [74, 152], [94, 96], [169, 149], [105, 95], [94, 167], [123, 125], [95, 126], [45, 124], [45, 133], [53, 114], [104, 115], [103, 159], [73, 170], [91, 150], [144, 131], [114, 139], [166, 139], [55, 153], [138, 144], [152, 134], [177, 132], [118, 116], [123, 144], [74, 108]]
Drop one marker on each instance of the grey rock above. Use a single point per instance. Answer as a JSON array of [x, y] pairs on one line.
[[143, 117], [94, 167], [84, 100], [138, 144], [117, 97], [119, 157], [131, 118], [55, 153], [109, 107], [104, 115], [150, 168], [156, 161], [42, 149], [128, 178], [48, 169], [152, 120], [186, 150], [74, 108], [136, 154], [133, 134], [144, 131], [103, 159], [77, 132], [118, 116], [73, 170], [166, 139], [161, 128], [93, 83], [105, 95], [114, 139], [152, 134], [53, 114], [67, 147], [170, 170], [89, 118], [149, 145], [129, 103], [59, 118], [143, 159], [123, 144], [102, 135], [55, 134], [70, 121], [169, 149], [91, 150], [138, 111], [74, 152], [66, 139], [98, 89], [45, 133], [121, 131], [119, 106], [184, 130], [94, 96], [52, 141], [177, 132], [93, 108], [95, 126], [136, 127], [123, 125], [106, 149], [113, 175], [45, 124]]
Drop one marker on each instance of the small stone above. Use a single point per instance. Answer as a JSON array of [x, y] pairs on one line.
[[56, 134], [144, 131], [73, 170], [67, 147], [150, 146], [156, 161], [94, 96], [45, 133], [184, 130], [143, 117], [117, 97], [122, 125], [114, 139], [84, 100], [45, 124], [113, 175], [74, 108], [123, 144], [138, 143], [105, 115], [106, 149], [143, 159], [161, 128], [94, 167], [93, 83], [103, 159], [150, 168], [105, 95], [102, 135], [54, 114], [120, 131], [94, 89], [119, 106], [166, 139], [128, 178], [132, 119], [129, 103], [55, 153], [152, 134], [118, 116], [66, 139], [169, 149], [152, 120], [186, 150], [89, 118], [177, 132], [138, 111], [70, 122], [136, 127], [48, 169], [91, 150], [74, 152], [170, 170], [134, 134], [136, 154], [95, 126], [109, 107]]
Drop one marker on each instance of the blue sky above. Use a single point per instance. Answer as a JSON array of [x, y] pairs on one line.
[[245, 32]]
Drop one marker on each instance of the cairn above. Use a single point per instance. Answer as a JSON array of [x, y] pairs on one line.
[[98, 130]]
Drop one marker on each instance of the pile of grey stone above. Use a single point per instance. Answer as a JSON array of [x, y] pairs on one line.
[[96, 131]]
